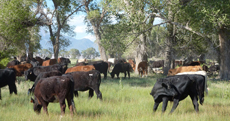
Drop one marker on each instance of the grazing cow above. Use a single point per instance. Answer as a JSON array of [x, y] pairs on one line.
[[132, 63], [43, 75], [13, 63], [176, 88], [80, 68], [89, 80], [203, 73], [142, 68], [63, 60], [181, 69], [214, 68], [49, 62], [121, 67], [32, 73], [101, 66], [20, 69], [120, 61], [8, 77], [156, 64], [52, 89]]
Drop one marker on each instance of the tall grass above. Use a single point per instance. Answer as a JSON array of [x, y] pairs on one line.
[[123, 100]]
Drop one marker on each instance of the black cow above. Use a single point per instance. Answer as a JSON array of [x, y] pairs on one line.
[[63, 60], [13, 63], [101, 66], [177, 88], [8, 77], [83, 81], [121, 67], [156, 64], [32, 73], [44, 75], [52, 89]]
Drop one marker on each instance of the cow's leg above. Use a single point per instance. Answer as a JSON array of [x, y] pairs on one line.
[[195, 102], [91, 93], [76, 93], [44, 106], [165, 103], [129, 74], [118, 75], [155, 106], [62, 105], [71, 104], [98, 92], [105, 75], [175, 104], [125, 74], [0, 94], [13, 88]]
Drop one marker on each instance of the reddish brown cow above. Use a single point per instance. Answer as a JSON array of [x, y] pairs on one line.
[[143, 68], [21, 68], [181, 69], [80, 68], [54, 89], [132, 63], [49, 62]]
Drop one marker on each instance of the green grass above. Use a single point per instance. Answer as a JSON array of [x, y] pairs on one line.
[[123, 100]]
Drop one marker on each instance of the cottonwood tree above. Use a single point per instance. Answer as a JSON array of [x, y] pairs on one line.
[[96, 17], [74, 53], [90, 53], [63, 10]]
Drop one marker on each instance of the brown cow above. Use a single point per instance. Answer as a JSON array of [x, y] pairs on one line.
[[132, 63], [54, 89], [80, 68], [49, 62], [142, 68], [181, 69], [21, 68]]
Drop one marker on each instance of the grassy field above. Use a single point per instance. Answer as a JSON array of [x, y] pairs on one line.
[[123, 100]]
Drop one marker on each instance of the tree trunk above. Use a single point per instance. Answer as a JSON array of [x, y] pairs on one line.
[[98, 40], [141, 52], [224, 53], [169, 41]]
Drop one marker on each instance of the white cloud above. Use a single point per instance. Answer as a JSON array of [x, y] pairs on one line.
[[76, 20], [80, 29], [90, 37]]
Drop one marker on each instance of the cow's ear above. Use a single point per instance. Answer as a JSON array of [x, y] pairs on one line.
[[32, 100]]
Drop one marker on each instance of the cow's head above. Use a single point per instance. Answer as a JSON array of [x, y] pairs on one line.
[[37, 107], [112, 75], [28, 73]]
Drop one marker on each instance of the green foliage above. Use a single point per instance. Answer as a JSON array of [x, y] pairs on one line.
[[74, 53], [90, 53], [12, 17], [45, 53], [63, 53], [4, 62]]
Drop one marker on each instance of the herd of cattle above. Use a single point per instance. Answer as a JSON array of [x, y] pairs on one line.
[[54, 81]]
